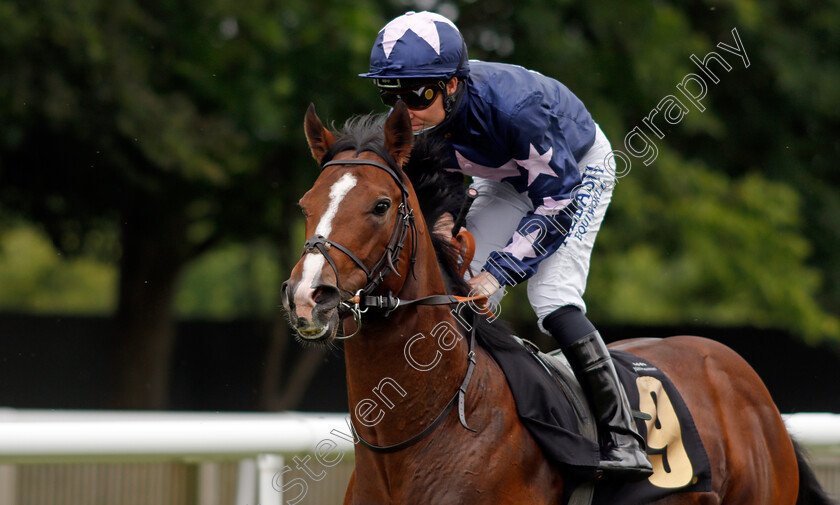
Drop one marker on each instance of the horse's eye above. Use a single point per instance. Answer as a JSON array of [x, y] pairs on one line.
[[382, 207]]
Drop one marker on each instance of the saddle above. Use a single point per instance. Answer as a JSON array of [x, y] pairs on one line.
[[558, 368], [551, 404]]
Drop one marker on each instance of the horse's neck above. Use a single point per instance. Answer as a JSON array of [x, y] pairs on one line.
[[398, 368]]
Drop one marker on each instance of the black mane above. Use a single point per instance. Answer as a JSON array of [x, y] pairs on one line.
[[433, 185], [425, 170], [361, 133]]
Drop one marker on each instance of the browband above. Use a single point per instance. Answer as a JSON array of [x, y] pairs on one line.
[[357, 161]]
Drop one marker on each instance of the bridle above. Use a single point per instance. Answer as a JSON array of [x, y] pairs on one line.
[[363, 300], [390, 258]]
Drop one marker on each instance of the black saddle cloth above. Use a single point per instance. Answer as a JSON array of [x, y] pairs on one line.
[[551, 408], [550, 411]]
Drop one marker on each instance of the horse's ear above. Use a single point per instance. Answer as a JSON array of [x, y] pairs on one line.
[[320, 139], [399, 137]]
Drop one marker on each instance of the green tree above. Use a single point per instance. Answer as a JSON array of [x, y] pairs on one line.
[[34, 277], [727, 225], [173, 123], [147, 133]]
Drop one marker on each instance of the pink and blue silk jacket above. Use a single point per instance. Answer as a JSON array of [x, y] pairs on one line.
[[530, 131]]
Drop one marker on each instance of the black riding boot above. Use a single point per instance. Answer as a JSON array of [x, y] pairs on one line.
[[622, 451], [622, 448]]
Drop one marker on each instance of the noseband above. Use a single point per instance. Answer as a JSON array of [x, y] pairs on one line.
[[363, 300], [390, 256]]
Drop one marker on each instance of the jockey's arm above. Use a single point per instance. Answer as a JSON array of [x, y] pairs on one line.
[[552, 176]]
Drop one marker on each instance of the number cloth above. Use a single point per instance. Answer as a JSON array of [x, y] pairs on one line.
[[679, 459]]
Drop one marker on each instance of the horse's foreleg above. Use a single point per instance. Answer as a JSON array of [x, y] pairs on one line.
[[351, 486]]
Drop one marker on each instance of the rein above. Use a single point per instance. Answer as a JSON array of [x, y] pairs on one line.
[[363, 300], [458, 396]]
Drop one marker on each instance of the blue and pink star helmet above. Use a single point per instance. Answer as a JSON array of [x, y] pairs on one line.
[[417, 45]]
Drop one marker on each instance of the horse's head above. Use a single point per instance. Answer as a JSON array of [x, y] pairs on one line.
[[358, 222]]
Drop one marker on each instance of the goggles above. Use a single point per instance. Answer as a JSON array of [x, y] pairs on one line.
[[418, 98]]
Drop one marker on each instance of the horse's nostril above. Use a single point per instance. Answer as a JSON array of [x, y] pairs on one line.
[[285, 299], [327, 296]]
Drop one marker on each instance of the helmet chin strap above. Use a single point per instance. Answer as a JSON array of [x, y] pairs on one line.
[[451, 103]]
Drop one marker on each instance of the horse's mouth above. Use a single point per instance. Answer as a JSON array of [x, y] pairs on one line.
[[317, 333], [313, 334]]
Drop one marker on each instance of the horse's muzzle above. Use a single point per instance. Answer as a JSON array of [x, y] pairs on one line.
[[313, 312]]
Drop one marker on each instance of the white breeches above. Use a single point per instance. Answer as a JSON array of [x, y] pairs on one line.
[[561, 278]]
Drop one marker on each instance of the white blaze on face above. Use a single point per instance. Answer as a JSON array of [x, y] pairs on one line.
[[314, 263]]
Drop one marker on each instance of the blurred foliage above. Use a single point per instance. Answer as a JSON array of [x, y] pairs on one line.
[[233, 281], [735, 221], [187, 108], [715, 254], [34, 277], [184, 111], [238, 280]]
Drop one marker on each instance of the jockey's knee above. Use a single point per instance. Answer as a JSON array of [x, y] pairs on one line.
[[567, 325]]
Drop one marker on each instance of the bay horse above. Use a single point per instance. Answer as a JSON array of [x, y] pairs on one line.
[[370, 249]]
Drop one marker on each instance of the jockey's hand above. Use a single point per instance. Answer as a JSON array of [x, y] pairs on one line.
[[484, 284], [443, 226]]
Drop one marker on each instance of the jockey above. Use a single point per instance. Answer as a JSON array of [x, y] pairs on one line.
[[538, 162]]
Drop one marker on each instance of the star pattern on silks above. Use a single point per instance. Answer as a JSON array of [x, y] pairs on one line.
[[537, 164], [522, 246], [552, 207], [421, 23], [509, 169]]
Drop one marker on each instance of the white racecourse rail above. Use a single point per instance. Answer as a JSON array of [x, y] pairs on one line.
[[40, 436]]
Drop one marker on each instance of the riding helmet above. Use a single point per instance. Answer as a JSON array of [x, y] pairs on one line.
[[418, 45]]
